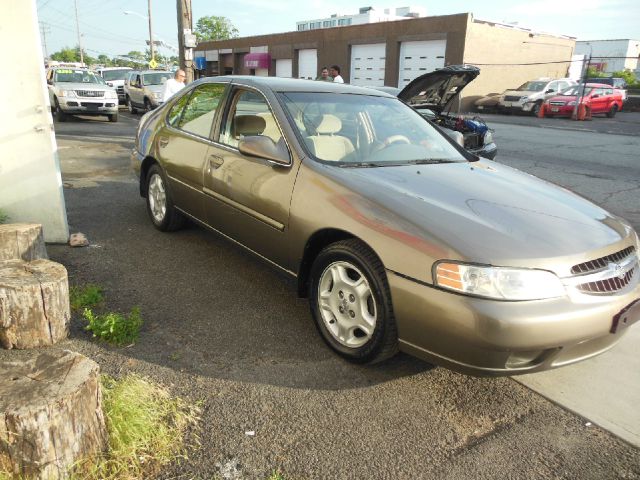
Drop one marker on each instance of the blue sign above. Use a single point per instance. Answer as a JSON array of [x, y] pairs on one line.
[[201, 63]]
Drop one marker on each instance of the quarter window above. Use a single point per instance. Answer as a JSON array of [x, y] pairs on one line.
[[196, 114]]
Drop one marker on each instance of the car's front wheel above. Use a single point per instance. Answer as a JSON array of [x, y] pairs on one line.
[[60, 115], [147, 105], [612, 111], [535, 110], [130, 106], [113, 117], [160, 205], [351, 302]]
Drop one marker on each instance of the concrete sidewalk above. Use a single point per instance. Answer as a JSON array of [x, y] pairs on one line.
[[605, 389]]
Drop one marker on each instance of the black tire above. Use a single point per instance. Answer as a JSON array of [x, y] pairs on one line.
[[147, 105], [113, 117], [60, 115], [160, 206], [612, 111], [382, 342], [130, 106], [535, 110]]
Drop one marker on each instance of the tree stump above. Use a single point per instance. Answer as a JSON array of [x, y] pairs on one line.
[[34, 303], [22, 241], [50, 414]]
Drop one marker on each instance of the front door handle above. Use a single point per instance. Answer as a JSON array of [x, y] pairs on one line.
[[163, 141], [214, 162]]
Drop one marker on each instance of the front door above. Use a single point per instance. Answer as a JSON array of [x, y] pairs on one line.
[[248, 198]]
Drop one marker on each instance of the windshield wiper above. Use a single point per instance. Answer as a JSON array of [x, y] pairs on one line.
[[428, 161], [361, 165]]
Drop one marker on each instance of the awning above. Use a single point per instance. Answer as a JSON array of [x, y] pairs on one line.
[[257, 60]]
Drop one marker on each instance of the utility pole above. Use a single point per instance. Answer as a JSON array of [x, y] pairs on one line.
[[151, 47], [44, 30], [185, 26], [78, 30]]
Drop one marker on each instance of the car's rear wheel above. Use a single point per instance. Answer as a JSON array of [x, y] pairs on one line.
[[160, 206], [351, 303], [130, 106], [612, 111], [60, 115]]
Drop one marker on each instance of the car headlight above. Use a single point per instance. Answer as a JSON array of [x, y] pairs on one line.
[[488, 137], [524, 99], [67, 93], [111, 94], [157, 95], [500, 283]]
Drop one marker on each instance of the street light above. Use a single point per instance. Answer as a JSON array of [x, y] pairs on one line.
[[151, 46]]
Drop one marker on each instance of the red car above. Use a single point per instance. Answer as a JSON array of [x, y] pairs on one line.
[[599, 97]]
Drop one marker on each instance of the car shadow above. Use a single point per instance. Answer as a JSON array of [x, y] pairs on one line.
[[210, 308]]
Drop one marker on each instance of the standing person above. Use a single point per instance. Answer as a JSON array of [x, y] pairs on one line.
[[324, 75], [335, 73], [173, 85]]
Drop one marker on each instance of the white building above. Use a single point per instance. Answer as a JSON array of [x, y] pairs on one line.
[[365, 15], [603, 53]]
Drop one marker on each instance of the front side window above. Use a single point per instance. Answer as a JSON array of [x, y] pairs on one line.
[[532, 87], [363, 130], [195, 113], [110, 75], [249, 115]]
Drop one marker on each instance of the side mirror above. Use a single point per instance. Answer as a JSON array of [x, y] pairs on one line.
[[49, 81], [264, 147], [595, 95], [551, 90], [110, 84]]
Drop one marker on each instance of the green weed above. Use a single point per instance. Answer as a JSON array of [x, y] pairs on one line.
[[85, 297], [114, 328], [4, 218], [146, 430], [276, 475]]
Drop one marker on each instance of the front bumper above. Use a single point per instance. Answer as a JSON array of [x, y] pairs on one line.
[[515, 106], [487, 337], [83, 106]]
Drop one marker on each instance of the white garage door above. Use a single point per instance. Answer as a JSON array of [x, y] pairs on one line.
[[308, 63], [284, 68], [418, 58], [367, 64]]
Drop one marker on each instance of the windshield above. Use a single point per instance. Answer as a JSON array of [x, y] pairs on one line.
[[77, 76], [532, 87], [156, 78], [573, 91], [109, 75], [362, 130]]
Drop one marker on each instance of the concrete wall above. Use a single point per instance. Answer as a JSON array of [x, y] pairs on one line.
[[489, 43], [30, 181]]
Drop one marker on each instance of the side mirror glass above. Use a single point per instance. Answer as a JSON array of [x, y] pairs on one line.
[[264, 147], [551, 90]]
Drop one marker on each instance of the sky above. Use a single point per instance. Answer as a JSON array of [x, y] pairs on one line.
[[105, 28]]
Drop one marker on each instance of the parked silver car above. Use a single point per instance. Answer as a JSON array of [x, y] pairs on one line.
[[399, 237], [530, 96], [143, 89]]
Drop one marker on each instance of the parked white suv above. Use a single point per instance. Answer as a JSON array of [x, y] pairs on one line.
[[82, 92], [143, 90], [530, 96], [115, 77]]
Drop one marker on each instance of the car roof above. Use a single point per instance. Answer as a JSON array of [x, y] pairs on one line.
[[279, 84], [104, 69], [598, 85]]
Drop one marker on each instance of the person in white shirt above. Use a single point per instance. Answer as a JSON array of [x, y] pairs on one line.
[[334, 71], [173, 85]]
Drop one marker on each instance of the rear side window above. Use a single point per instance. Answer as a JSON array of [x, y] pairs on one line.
[[196, 114]]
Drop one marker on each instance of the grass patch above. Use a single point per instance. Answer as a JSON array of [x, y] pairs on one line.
[[85, 297], [114, 328], [276, 475], [4, 218], [146, 430]]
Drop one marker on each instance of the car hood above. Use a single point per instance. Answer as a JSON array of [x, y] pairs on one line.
[[565, 98], [482, 211], [83, 86], [436, 89], [154, 88]]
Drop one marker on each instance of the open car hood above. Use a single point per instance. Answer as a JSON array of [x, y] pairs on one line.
[[436, 89]]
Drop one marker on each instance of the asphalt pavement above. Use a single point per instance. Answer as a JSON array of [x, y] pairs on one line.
[[225, 329]]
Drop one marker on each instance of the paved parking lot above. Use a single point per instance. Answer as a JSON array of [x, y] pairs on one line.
[[223, 328]]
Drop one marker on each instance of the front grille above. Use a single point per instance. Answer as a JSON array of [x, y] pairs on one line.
[[91, 105], [512, 98], [90, 93], [614, 281], [558, 104]]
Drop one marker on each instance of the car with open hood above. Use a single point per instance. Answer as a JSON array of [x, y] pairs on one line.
[[399, 237], [529, 97], [433, 95], [597, 97], [78, 91]]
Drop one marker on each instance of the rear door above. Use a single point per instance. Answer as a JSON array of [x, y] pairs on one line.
[[598, 101], [135, 90], [248, 198], [183, 142]]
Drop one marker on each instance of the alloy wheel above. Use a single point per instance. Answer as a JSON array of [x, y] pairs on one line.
[[157, 198]]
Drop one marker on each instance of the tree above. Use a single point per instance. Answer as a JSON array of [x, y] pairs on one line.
[[215, 28], [65, 54]]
